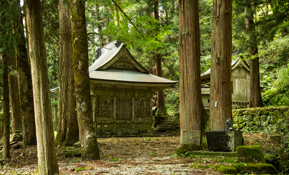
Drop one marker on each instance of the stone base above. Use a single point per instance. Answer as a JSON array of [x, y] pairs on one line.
[[190, 137], [224, 141]]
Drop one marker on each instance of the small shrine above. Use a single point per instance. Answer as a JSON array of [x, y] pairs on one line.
[[240, 82], [122, 92]]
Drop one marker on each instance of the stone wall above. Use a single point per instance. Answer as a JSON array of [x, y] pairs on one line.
[[268, 119]]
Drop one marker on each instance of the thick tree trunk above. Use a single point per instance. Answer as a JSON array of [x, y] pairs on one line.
[[158, 63], [255, 91], [220, 96], [87, 131], [14, 96], [25, 86], [47, 162], [6, 109], [190, 81], [67, 132]]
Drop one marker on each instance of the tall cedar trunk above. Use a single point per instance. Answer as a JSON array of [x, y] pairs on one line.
[[255, 92], [87, 131], [220, 96], [14, 96], [6, 109], [67, 131], [190, 81], [25, 86], [158, 63], [47, 162], [55, 117]]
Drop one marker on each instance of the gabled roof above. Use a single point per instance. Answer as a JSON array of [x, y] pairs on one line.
[[115, 65], [235, 63], [108, 57]]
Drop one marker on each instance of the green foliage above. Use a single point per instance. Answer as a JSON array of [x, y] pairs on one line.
[[9, 12], [274, 72], [173, 100], [284, 151], [269, 120], [78, 169], [278, 94], [115, 160]]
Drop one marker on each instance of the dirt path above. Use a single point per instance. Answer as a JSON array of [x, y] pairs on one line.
[[133, 155]]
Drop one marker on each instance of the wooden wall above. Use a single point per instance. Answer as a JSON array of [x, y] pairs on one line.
[[122, 111]]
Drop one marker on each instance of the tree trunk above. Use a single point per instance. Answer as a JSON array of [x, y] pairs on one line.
[[160, 94], [47, 162], [55, 118], [158, 63], [6, 109], [255, 92], [190, 80], [14, 96], [87, 131], [67, 132], [220, 95], [25, 86]]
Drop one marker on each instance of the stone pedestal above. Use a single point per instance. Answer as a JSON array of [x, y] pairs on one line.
[[224, 141], [190, 137]]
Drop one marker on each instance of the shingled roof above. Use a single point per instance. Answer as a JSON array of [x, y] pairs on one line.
[[115, 65], [235, 63]]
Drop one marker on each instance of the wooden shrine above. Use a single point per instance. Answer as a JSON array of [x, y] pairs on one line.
[[122, 93], [240, 79]]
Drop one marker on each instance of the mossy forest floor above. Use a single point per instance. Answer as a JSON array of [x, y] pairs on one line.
[[135, 155]]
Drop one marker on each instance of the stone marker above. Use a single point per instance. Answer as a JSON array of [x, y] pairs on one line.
[[191, 137], [224, 141]]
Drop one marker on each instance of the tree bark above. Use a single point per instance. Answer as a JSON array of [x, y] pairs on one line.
[[25, 86], [87, 131], [47, 162], [190, 81], [14, 96], [255, 91], [220, 83], [67, 132], [158, 63], [6, 109]]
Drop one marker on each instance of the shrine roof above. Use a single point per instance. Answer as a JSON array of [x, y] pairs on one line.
[[235, 63], [128, 76], [105, 69]]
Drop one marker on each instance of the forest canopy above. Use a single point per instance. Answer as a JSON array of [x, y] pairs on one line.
[[134, 23]]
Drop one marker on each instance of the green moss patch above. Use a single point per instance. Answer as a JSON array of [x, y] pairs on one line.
[[186, 149], [267, 119], [250, 154], [72, 152], [260, 168], [276, 137], [214, 154], [228, 170]]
